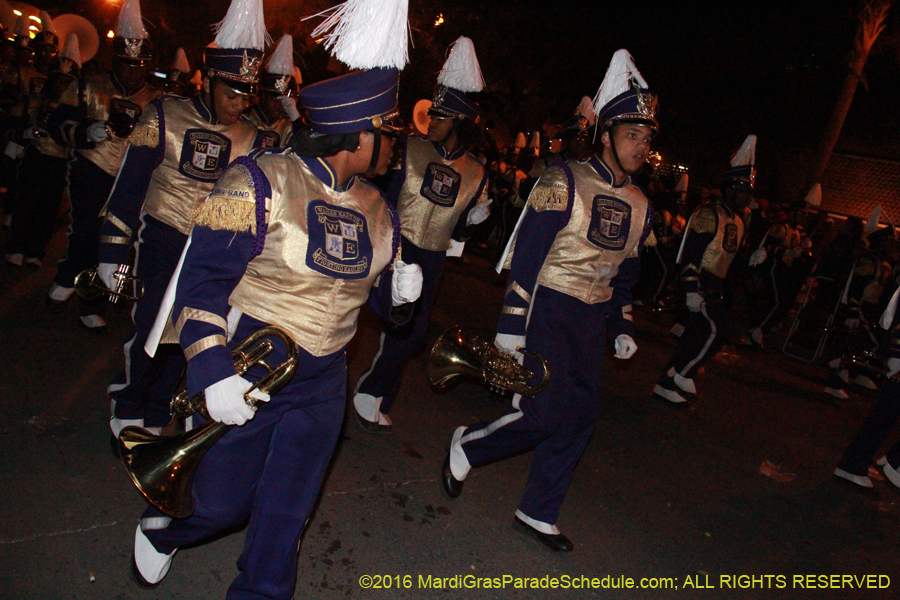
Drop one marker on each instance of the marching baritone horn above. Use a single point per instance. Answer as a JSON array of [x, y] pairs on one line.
[[457, 353], [88, 285], [162, 468]]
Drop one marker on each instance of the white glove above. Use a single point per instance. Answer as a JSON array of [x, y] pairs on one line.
[[225, 400], [510, 344], [406, 285], [893, 365], [625, 346], [107, 274], [96, 132], [758, 257], [290, 107], [479, 213], [694, 301], [31, 133]]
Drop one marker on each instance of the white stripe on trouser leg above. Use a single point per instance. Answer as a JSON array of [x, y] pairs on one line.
[[705, 349], [152, 565], [374, 362], [115, 387], [539, 525], [459, 463]]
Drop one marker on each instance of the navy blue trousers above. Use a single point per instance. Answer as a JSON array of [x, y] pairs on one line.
[[881, 419], [399, 344], [42, 180], [558, 422], [269, 470], [704, 334], [89, 188], [143, 389]]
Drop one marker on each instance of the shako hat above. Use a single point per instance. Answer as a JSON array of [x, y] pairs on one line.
[[132, 42], [279, 77], [461, 74], [623, 96], [48, 35], [369, 35], [743, 169], [236, 56]]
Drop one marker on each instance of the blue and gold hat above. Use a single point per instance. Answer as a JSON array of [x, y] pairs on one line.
[[623, 96], [132, 42], [279, 77], [743, 170], [236, 56], [460, 74], [358, 101]]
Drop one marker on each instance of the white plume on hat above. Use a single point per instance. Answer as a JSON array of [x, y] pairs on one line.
[[682, 185], [282, 60], [461, 70], [366, 34], [619, 78], [521, 142], [131, 25], [814, 197], [746, 154], [21, 29], [71, 50], [585, 109], [47, 23], [874, 218], [181, 63], [535, 141], [197, 79], [298, 76], [7, 16], [243, 26]]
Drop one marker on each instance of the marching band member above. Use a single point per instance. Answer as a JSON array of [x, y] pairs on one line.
[[277, 115], [95, 118], [710, 243], [178, 150], [575, 256], [439, 190], [298, 241]]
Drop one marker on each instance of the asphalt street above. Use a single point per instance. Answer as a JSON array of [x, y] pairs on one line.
[[730, 497]]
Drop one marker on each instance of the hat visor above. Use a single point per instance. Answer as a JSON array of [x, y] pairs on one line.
[[140, 61], [241, 87]]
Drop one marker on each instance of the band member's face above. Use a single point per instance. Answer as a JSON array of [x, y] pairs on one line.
[[130, 76], [632, 144], [363, 154], [229, 104], [438, 129], [272, 106]]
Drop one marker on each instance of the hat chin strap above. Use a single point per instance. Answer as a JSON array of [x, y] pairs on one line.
[[376, 151]]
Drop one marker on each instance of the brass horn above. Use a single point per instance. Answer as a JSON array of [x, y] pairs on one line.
[[163, 468], [88, 285], [457, 353]]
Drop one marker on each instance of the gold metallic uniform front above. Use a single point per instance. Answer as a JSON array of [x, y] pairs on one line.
[[99, 93], [575, 265], [729, 230], [318, 311], [172, 197], [424, 222]]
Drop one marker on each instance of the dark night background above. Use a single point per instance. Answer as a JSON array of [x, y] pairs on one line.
[[722, 70]]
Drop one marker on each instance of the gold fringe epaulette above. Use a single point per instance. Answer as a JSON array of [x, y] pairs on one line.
[[146, 135], [705, 220], [551, 192], [227, 213], [650, 242]]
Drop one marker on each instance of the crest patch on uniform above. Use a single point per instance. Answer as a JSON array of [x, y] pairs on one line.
[[440, 184], [269, 139], [339, 244], [610, 223], [204, 155], [730, 241]]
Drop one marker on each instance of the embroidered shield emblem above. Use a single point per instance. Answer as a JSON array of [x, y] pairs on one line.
[[339, 245], [730, 239], [440, 184], [610, 223], [204, 155]]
